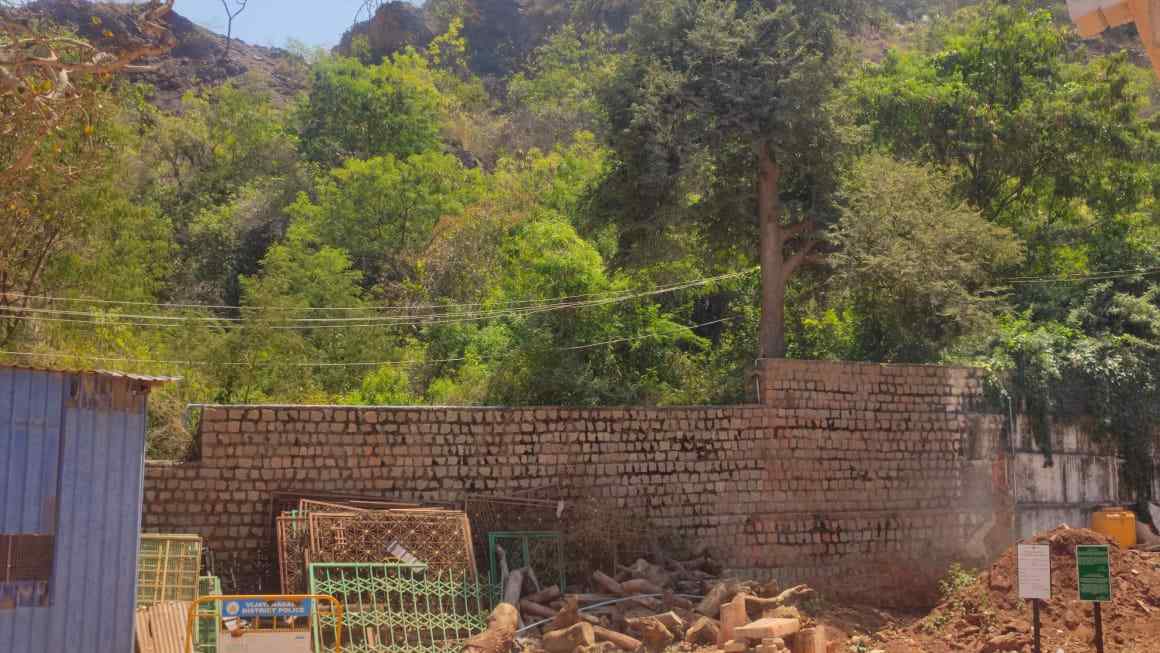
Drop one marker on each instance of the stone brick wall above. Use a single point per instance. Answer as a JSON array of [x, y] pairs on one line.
[[853, 478]]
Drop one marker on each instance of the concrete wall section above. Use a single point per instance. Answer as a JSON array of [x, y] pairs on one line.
[[1081, 474]]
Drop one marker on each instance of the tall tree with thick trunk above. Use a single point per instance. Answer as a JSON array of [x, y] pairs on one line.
[[720, 114]]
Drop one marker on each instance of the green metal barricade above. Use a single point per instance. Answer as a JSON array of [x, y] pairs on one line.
[[399, 608], [543, 551], [208, 616]]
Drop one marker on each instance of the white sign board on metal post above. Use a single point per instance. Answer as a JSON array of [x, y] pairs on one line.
[[1035, 571]]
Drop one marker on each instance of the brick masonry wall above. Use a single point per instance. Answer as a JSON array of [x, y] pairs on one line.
[[853, 478]]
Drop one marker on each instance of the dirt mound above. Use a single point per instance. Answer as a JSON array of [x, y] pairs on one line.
[[984, 614]]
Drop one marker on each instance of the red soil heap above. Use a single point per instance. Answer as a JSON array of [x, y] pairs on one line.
[[988, 616]]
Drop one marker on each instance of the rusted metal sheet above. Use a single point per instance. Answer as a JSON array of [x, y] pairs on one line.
[[72, 454]]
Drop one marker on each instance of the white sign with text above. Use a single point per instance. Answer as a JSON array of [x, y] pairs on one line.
[[1035, 571]]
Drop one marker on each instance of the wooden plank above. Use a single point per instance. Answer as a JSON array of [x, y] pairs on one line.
[[144, 636]]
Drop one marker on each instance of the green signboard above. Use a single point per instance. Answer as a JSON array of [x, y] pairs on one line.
[[1094, 572]]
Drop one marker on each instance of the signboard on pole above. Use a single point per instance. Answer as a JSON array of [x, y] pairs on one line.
[[1035, 571], [1094, 572]]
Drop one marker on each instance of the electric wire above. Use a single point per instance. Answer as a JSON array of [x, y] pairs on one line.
[[11, 313], [399, 308], [1097, 276], [310, 365]]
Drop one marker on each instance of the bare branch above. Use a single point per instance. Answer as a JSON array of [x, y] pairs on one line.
[[231, 14], [41, 89], [803, 228], [802, 257]]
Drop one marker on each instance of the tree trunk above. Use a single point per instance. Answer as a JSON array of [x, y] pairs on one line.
[[773, 269]]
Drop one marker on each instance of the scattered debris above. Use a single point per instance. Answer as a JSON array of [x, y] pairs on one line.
[[986, 615], [655, 605]]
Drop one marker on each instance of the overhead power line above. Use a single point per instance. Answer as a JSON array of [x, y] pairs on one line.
[[1079, 278], [304, 324], [405, 363], [50, 299]]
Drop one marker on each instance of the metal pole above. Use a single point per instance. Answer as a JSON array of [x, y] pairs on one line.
[[1035, 624], [1099, 628]]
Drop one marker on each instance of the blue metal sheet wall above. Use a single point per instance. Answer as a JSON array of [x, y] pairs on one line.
[[100, 458]]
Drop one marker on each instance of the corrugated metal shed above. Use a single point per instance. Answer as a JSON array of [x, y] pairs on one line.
[[72, 450]]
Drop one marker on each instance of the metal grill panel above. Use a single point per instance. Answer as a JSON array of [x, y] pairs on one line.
[[399, 608], [441, 539]]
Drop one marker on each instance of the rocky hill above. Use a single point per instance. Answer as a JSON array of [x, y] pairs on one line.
[[500, 34], [196, 60]]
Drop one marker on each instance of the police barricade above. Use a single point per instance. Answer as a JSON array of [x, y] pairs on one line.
[[266, 623]]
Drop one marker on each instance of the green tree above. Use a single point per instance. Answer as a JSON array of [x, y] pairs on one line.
[[364, 111], [299, 276], [382, 211], [560, 90], [1052, 147], [723, 109], [585, 355], [222, 139], [915, 260]]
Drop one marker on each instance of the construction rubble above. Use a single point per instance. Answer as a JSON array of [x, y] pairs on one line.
[[651, 606]]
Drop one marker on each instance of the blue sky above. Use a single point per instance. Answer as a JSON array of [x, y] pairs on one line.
[[272, 22]]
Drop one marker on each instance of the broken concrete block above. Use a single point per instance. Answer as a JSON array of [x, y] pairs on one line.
[[735, 646], [774, 641], [768, 627]]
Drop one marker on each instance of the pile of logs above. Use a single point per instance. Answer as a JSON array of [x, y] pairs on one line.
[[648, 606]]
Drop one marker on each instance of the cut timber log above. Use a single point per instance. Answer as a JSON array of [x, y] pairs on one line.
[[763, 628], [588, 599], [642, 569], [569, 639], [607, 583], [704, 631], [792, 595], [810, 640], [535, 609], [673, 622], [640, 586], [733, 615], [673, 601], [568, 615], [513, 586], [546, 595], [500, 633], [621, 641], [653, 633], [722, 592]]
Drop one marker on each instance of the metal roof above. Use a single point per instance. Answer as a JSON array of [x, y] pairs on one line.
[[141, 378]]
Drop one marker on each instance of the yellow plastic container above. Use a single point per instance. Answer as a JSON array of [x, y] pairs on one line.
[[1118, 524]]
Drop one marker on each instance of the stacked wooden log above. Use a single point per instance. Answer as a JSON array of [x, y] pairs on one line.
[[647, 606]]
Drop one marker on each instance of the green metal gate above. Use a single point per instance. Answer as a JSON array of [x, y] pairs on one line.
[[543, 551], [399, 608]]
